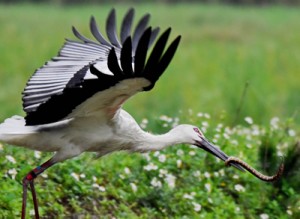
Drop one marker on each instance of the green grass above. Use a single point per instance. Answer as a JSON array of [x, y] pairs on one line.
[[222, 49]]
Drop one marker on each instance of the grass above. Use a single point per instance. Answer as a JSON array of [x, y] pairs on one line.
[[222, 49]]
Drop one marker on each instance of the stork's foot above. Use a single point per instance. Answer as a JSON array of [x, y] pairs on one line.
[[28, 179]]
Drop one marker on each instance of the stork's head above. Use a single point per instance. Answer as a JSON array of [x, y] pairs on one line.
[[190, 134]]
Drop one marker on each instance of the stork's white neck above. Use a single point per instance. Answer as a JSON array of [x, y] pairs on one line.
[[150, 142]]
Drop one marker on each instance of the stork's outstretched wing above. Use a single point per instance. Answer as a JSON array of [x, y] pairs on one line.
[[89, 77]]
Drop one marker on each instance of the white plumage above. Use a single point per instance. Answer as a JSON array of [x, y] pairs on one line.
[[73, 103]]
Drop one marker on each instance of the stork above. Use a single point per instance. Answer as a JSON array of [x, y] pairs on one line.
[[73, 103]]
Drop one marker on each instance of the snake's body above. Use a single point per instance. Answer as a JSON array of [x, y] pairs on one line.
[[254, 171]]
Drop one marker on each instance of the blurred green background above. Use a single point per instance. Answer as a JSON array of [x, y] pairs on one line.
[[236, 60]]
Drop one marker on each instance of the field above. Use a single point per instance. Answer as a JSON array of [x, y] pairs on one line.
[[233, 63]]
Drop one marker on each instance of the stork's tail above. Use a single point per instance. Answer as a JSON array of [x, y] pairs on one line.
[[13, 129]]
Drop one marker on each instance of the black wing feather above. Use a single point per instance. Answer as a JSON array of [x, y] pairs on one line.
[[157, 52], [154, 34], [111, 29], [126, 25], [96, 33], [113, 64], [141, 26], [141, 52], [126, 58]]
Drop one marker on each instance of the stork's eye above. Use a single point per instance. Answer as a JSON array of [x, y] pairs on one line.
[[197, 131]]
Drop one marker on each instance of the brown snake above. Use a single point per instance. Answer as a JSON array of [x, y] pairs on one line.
[[254, 171]]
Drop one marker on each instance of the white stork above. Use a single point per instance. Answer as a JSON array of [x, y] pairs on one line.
[[73, 102]]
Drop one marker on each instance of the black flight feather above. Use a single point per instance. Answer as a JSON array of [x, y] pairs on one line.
[[111, 29], [96, 33], [126, 25]]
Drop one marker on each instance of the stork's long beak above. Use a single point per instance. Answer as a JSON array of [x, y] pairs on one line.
[[209, 147]]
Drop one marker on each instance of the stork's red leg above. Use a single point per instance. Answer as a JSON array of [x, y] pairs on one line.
[[29, 179]]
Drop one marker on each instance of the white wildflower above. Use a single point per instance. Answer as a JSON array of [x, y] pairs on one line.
[[204, 124], [44, 175], [274, 122], [37, 154], [235, 176], [226, 136], [292, 132], [255, 131], [144, 123], [188, 196], [249, 137], [10, 158], [146, 156], [249, 120], [162, 173], [208, 187], [162, 158], [176, 122], [165, 118], [156, 183], [13, 173], [127, 170], [179, 163], [121, 176], [101, 188], [197, 173], [219, 127], [222, 172], [207, 175], [228, 131], [82, 175], [234, 142], [170, 179], [280, 153], [180, 152], [237, 209], [199, 114], [94, 178], [192, 153], [289, 212], [217, 136], [216, 174], [239, 188], [150, 166], [264, 216], [206, 115], [133, 187], [197, 207], [75, 176], [156, 153], [248, 145], [31, 212]]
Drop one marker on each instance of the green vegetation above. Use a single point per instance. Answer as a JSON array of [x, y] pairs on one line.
[[222, 49]]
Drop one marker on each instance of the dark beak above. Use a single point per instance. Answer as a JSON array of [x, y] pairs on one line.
[[209, 147]]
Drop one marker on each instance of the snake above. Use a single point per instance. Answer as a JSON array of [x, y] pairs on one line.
[[254, 172]]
